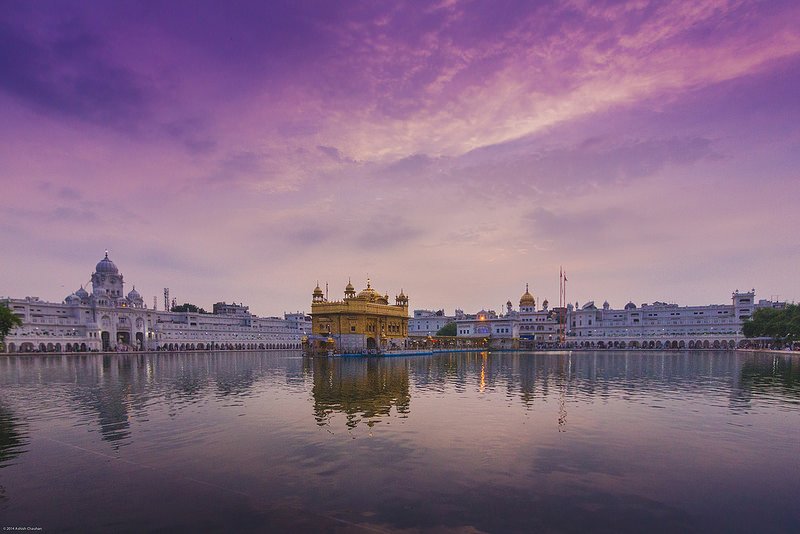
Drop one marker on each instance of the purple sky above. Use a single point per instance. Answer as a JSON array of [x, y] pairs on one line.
[[243, 151]]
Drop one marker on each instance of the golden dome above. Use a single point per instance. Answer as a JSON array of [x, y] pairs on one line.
[[349, 287], [368, 294], [527, 299]]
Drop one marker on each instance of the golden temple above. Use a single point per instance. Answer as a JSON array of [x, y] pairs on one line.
[[362, 322]]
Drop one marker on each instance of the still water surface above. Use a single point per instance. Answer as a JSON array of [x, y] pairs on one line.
[[468, 442]]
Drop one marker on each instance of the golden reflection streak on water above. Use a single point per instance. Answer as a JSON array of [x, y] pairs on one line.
[[483, 373], [562, 405]]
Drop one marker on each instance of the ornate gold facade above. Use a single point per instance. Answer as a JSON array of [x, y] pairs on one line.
[[359, 322]]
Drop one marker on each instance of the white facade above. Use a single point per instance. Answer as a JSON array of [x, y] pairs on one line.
[[488, 324], [428, 323], [529, 323], [662, 325], [107, 319]]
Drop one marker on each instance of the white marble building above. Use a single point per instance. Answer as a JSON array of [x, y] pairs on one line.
[[528, 323], [662, 325], [428, 322], [108, 319]]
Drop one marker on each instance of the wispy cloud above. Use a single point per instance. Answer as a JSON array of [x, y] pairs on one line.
[[480, 138]]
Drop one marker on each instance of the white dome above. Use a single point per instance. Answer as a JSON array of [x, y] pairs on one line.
[[106, 266]]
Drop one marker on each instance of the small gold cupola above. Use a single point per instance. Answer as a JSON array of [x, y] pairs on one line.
[[349, 290], [527, 300], [317, 295]]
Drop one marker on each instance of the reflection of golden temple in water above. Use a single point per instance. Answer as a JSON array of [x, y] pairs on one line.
[[361, 389]]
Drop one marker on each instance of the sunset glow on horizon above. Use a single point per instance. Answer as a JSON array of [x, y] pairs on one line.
[[457, 150]]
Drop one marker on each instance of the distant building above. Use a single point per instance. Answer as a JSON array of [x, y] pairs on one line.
[[663, 325], [539, 326], [108, 319], [428, 323], [299, 321], [233, 310], [359, 322]]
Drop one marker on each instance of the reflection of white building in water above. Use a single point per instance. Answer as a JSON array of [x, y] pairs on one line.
[[107, 319], [662, 325]]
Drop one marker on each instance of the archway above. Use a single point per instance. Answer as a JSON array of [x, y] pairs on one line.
[[105, 336], [83, 347], [682, 344], [371, 344], [140, 340], [12, 347], [123, 338], [716, 344], [706, 344]]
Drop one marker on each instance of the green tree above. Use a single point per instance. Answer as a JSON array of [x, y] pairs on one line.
[[776, 323], [186, 307], [447, 330], [8, 321]]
